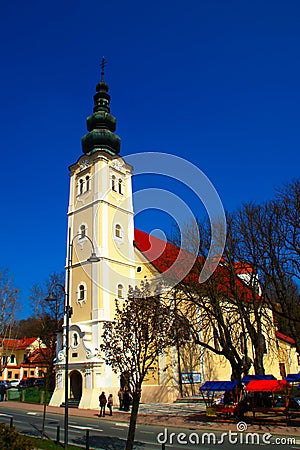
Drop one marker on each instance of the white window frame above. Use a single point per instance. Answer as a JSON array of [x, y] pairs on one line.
[[80, 300], [118, 226], [120, 186], [75, 346], [87, 182], [120, 289], [113, 183], [84, 184]]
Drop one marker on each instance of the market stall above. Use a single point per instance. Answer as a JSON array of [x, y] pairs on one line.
[[247, 378], [269, 397], [220, 397], [293, 378]]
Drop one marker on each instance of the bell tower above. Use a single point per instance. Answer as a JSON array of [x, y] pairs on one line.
[[100, 218]]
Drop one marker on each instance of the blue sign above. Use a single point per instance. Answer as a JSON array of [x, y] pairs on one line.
[[191, 377]]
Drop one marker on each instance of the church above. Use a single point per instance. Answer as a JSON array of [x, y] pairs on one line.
[[101, 223]]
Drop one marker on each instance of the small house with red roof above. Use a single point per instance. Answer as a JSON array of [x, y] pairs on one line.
[[21, 358]]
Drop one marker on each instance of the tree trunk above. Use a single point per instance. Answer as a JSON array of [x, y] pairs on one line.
[[236, 373], [260, 348], [259, 364], [136, 397]]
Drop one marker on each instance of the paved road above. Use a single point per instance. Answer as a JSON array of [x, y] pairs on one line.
[[106, 434]]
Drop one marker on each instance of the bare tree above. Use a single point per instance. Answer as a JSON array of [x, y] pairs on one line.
[[229, 316], [269, 242], [29, 327], [133, 342], [8, 306], [288, 199], [50, 318]]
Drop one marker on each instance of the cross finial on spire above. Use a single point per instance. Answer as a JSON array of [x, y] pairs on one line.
[[102, 68]]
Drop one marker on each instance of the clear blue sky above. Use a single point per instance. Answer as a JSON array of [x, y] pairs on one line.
[[214, 81]]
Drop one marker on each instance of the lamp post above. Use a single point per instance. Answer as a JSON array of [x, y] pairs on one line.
[[68, 313]]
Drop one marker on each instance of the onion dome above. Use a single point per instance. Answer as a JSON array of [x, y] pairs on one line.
[[101, 125]]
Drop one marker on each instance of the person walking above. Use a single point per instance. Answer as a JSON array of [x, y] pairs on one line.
[[120, 396], [110, 403], [102, 404]]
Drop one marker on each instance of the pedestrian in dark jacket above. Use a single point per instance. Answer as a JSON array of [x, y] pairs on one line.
[[102, 404]]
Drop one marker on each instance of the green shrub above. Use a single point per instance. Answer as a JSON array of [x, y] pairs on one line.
[[12, 440]]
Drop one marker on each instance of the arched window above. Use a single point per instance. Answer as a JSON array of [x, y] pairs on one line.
[[120, 186], [120, 291], [81, 186], [12, 359], [82, 231], [75, 342], [81, 292], [118, 231], [87, 181], [113, 183]]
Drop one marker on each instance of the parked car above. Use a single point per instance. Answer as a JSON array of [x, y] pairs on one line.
[[39, 382], [14, 383], [25, 383], [30, 382], [5, 383]]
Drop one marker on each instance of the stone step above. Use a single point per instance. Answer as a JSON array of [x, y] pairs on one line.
[[189, 400]]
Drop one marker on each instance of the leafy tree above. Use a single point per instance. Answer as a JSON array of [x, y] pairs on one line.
[[8, 306], [141, 331]]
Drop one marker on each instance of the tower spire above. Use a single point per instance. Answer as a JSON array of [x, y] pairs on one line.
[[103, 63], [101, 125]]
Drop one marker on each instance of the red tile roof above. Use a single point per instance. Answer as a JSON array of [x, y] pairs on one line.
[[17, 344], [40, 356], [180, 265], [284, 338], [242, 268], [160, 253], [176, 264]]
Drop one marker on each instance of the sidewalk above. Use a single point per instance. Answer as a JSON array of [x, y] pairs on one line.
[[189, 415]]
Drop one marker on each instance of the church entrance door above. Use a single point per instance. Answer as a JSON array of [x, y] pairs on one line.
[[76, 385]]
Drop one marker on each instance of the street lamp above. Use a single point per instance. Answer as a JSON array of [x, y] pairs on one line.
[[68, 313]]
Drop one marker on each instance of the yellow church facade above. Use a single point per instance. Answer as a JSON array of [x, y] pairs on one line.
[[101, 219]]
